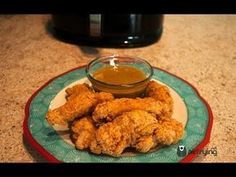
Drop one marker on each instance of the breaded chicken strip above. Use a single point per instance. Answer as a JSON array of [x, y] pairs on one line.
[[78, 106], [113, 137], [77, 89], [83, 132], [137, 129], [165, 132], [107, 111], [103, 97], [160, 93]]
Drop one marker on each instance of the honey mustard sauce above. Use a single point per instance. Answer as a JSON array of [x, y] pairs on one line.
[[121, 81], [119, 75]]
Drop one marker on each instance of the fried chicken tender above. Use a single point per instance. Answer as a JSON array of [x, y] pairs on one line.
[[103, 97], [138, 129], [160, 93], [169, 131], [105, 125], [77, 106], [113, 137], [77, 89], [107, 111], [83, 132], [165, 132]]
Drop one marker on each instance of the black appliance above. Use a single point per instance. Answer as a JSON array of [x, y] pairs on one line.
[[109, 30]]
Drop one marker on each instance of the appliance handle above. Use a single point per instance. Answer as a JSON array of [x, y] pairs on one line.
[[95, 23]]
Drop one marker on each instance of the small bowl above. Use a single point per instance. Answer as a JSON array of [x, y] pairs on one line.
[[123, 90]]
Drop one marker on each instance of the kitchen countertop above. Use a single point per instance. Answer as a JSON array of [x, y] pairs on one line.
[[200, 49]]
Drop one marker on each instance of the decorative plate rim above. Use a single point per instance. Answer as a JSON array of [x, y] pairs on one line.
[[50, 158]]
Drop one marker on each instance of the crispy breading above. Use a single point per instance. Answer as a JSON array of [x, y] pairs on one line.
[[83, 132], [161, 93], [103, 97], [78, 106], [169, 131], [137, 129], [113, 137], [77, 89], [105, 125], [107, 111], [165, 132]]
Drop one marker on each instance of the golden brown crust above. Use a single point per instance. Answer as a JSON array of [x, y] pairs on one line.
[[169, 131], [78, 105], [140, 123], [160, 93], [83, 132], [107, 111], [115, 136], [137, 129], [103, 97], [77, 89]]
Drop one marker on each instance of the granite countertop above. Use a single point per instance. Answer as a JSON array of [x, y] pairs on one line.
[[200, 49]]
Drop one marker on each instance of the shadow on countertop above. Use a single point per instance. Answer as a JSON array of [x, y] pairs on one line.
[[36, 156]]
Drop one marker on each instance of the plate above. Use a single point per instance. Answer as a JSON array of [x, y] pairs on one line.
[[53, 142]]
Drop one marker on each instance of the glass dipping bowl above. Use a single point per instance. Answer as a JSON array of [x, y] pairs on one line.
[[120, 90]]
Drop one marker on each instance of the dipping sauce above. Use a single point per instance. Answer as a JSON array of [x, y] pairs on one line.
[[119, 75], [123, 76]]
